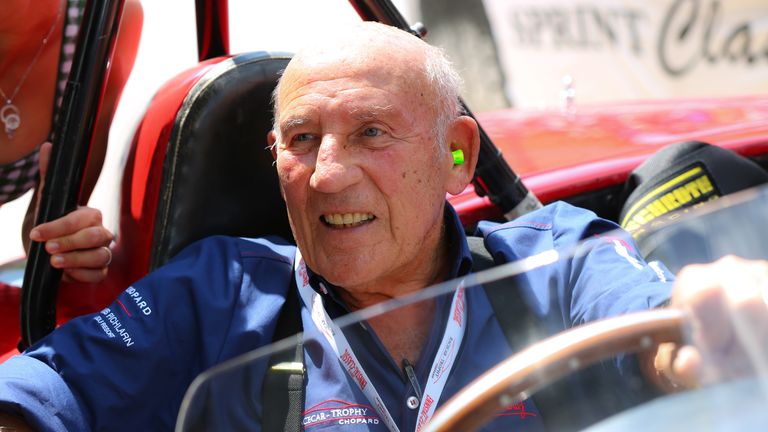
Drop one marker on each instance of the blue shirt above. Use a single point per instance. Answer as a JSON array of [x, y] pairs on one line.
[[129, 365]]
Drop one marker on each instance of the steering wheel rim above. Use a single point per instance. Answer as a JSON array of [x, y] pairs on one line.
[[527, 371]]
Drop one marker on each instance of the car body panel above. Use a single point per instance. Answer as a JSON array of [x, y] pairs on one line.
[[560, 154]]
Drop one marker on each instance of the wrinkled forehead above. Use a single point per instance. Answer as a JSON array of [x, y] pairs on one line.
[[356, 91], [382, 72], [389, 59]]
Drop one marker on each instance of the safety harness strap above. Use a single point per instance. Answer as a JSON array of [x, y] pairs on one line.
[[282, 394], [508, 306]]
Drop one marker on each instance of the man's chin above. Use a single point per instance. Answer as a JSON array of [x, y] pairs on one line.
[[345, 276], [346, 281]]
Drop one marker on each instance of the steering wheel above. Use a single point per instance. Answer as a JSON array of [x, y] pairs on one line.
[[517, 377]]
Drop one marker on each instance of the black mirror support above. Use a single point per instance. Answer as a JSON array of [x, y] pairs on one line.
[[72, 140], [494, 177]]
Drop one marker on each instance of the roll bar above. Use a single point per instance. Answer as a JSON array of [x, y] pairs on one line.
[[212, 28], [72, 141]]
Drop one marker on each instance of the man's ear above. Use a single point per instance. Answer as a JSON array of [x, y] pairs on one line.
[[271, 140], [463, 134]]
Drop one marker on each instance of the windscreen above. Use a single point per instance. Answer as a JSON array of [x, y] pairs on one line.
[[529, 344]]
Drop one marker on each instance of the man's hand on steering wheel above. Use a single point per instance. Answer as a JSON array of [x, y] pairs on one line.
[[727, 303]]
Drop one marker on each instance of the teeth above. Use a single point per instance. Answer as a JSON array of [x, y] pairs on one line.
[[347, 219]]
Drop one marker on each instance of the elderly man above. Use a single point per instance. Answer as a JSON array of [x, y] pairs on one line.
[[365, 127]]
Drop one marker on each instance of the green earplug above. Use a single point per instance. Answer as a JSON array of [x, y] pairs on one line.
[[458, 157]]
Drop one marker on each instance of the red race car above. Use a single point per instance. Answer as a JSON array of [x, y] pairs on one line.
[[197, 167]]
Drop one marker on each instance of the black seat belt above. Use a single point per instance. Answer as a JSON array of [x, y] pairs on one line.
[[282, 393], [507, 304]]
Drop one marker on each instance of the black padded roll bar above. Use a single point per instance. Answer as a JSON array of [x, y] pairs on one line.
[[72, 141], [212, 28]]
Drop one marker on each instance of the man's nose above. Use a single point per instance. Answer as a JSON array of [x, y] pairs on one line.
[[336, 167]]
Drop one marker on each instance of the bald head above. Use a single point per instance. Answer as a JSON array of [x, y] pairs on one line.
[[393, 55]]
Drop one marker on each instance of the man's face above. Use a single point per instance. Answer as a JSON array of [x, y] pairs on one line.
[[360, 171]]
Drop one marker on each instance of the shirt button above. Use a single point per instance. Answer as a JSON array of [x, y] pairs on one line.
[[412, 402]]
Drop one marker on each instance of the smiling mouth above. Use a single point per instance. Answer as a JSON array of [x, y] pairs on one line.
[[347, 220]]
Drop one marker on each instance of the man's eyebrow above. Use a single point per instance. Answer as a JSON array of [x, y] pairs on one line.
[[371, 113], [293, 122]]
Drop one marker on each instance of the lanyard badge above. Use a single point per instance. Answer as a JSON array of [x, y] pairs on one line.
[[441, 365]]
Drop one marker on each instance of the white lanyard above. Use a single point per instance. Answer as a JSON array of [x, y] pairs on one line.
[[441, 365]]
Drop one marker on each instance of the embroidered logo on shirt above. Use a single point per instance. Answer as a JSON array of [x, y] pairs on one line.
[[137, 298], [112, 327], [111, 319], [339, 412], [624, 250], [657, 267], [516, 410]]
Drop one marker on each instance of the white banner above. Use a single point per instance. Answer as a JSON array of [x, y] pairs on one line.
[[627, 50]]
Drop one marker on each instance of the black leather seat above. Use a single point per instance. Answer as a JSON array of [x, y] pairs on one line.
[[218, 177]]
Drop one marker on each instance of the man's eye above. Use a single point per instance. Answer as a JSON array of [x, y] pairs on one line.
[[372, 132], [303, 137], [302, 140]]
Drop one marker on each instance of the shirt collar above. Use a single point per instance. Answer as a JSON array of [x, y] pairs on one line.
[[458, 254]]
